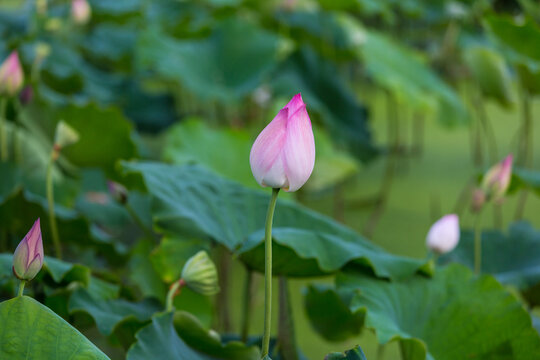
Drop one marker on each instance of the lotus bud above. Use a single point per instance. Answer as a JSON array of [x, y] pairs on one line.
[[497, 179], [443, 236], [117, 191], [26, 95], [64, 136], [11, 75], [283, 154], [478, 200], [80, 11], [28, 257], [200, 274]]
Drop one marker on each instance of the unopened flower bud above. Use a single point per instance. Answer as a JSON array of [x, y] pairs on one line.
[[28, 257], [117, 191], [11, 75], [80, 11], [26, 95], [283, 154], [478, 200], [497, 180], [64, 136], [443, 236], [200, 274]]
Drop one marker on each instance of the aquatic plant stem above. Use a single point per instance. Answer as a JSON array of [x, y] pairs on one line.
[[21, 288], [248, 305], [477, 243], [3, 131], [285, 337], [173, 291], [148, 232], [526, 153], [268, 272], [50, 200]]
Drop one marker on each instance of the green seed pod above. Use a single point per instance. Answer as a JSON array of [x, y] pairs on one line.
[[65, 135], [200, 274]]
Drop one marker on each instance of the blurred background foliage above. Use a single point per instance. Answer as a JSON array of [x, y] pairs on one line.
[[410, 102]]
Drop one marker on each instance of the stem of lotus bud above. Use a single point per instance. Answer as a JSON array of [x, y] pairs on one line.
[[174, 290], [268, 272], [50, 200], [3, 131], [21, 288], [477, 243]]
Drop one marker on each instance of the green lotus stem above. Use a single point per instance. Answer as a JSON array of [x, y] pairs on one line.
[[477, 243], [526, 152], [21, 288], [50, 200], [380, 352], [285, 338], [3, 131], [248, 305], [268, 272], [174, 289], [16, 143]]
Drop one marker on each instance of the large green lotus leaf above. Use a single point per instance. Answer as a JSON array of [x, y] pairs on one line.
[[188, 142], [490, 73], [401, 71], [329, 314], [526, 178], [201, 339], [160, 340], [32, 331], [512, 256], [109, 314], [353, 354], [225, 66], [190, 201], [327, 94], [105, 136], [454, 315]]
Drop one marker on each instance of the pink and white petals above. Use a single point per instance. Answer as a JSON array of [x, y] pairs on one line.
[[28, 257], [11, 75], [283, 155], [443, 236], [497, 180]]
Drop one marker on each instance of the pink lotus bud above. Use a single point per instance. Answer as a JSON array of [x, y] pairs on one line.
[[443, 236], [28, 257], [26, 95], [11, 75], [117, 191], [80, 11], [497, 179], [283, 154]]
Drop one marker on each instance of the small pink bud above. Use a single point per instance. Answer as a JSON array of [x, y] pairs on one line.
[[80, 11], [117, 191], [11, 75], [26, 95], [497, 179], [478, 200], [283, 154], [443, 236], [28, 257]]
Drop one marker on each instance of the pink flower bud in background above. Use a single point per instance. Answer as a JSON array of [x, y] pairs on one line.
[[80, 11], [26, 95], [478, 200], [283, 154], [28, 257], [11, 75], [497, 179], [443, 236], [117, 191]]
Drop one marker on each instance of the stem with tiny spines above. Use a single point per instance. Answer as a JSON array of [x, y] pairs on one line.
[[268, 273], [21, 288], [175, 287], [50, 200], [477, 243], [3, 131]]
